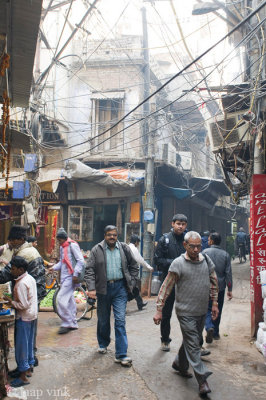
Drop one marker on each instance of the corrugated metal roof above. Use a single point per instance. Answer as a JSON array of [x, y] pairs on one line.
[[19, 20], [107, 95]]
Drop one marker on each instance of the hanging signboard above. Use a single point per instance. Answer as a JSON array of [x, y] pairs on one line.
[[257, 247]]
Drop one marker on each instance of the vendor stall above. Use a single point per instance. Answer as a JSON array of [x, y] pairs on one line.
[[4, 349]]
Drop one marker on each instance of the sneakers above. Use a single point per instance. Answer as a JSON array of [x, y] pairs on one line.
[[216, 337], [165, 346], [102, 350], [209, 336], [124, 361]]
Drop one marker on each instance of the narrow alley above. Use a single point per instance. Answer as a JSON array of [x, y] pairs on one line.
[[126, 125]]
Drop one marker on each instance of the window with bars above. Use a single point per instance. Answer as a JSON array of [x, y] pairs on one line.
[[106, 114]]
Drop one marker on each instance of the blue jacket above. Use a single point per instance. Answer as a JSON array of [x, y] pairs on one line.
[[241, 237]]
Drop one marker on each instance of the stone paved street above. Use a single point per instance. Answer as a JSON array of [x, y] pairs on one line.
[[71, 369]]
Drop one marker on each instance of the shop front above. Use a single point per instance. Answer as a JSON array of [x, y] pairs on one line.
[[96, 199], [87, 219], [50, 218]]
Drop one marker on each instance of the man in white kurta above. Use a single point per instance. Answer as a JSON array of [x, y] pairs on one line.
[[70, 266]]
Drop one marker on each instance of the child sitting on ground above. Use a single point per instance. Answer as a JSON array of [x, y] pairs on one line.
[[26, 306]]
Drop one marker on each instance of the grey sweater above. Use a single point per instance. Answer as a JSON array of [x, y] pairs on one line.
[[193, 286]]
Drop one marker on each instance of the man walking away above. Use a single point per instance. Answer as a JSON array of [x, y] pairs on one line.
[[222, 262], [170, 246], [241, 241], [111, 272], [195, 281], [70, 266], [134, 243]]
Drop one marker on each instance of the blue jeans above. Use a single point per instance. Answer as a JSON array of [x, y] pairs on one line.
[[209, 322], [24, 344], [117, 297]]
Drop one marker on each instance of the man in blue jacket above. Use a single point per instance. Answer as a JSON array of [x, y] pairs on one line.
[[241, 241]]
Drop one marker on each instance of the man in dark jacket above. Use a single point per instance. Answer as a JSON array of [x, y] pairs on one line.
[[241, 242], [170, 246], [17, 237], [111, 273], [222, 262]]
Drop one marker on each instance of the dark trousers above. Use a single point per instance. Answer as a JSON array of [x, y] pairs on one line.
[[166, 317], [35, 332], [139, 301], [35, 336], [210, 323]]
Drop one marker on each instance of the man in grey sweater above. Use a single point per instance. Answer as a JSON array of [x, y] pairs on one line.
[[195, 282], [222, 262]]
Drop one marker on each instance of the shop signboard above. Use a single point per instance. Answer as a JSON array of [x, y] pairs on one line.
[[257, 247]]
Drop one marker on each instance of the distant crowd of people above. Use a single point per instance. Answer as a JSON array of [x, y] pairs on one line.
[[195, 274]]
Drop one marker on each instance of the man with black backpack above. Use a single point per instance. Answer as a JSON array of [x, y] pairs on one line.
[[170, 246], [71, 267]]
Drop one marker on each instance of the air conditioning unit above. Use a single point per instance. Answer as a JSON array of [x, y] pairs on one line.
[[169, 154], [219, 127]]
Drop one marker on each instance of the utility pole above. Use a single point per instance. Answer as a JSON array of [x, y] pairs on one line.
[[257, 71], [148, 146]]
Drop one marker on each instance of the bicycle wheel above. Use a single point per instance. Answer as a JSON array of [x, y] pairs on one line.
[[80, 297], [55, 301], [89, 312]]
